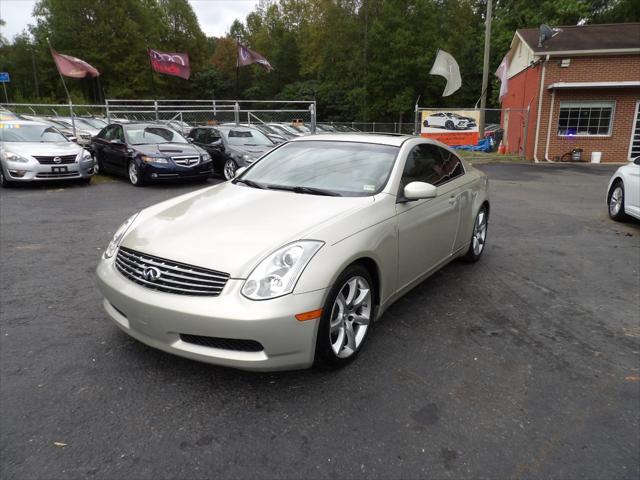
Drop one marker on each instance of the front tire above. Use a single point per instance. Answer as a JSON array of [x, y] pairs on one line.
[[479, 236], [347, 318], [4, 183], [615, 202], [135, 177], [449, 125], [229, 169]]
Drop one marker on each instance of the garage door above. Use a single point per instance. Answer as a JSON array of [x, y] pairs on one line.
[[634, 149]]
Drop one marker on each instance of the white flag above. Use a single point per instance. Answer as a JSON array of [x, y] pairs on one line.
[[503, 74], [447, 67]]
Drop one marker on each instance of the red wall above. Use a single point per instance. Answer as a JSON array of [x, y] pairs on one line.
[[522, 92]]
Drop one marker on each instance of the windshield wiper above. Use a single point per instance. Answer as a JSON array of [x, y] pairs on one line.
[[250, 183], [310, 190]]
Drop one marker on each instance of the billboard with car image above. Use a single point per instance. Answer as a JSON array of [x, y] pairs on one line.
[[450, 126]]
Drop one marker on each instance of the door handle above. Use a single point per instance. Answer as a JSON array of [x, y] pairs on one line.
[[453, 200]]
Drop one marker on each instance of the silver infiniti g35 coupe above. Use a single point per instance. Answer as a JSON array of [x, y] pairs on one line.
[[292, 261]]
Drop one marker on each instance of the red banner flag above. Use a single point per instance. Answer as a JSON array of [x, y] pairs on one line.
[[176, 64], [247, 57], [73, 67]]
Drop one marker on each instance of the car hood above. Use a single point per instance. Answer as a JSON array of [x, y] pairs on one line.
[[252, 151], [48, 149], [167, 149], [230, 227]]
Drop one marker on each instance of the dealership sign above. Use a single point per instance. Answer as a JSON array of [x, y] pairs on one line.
[[452, 127], [4, 77]]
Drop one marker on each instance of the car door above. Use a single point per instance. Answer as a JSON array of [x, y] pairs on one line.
[[632, 189], [117, 150], [426, 228]]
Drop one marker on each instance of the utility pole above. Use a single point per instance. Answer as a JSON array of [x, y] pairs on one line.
[[485, 70]]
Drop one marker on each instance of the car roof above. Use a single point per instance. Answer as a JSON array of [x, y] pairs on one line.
[[23, 122], [392, 139]]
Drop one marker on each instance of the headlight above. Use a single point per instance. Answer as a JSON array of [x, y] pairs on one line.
[[117, 237], [206, 158], [86, 155], [14, 157], [278, 274], [146, 159]]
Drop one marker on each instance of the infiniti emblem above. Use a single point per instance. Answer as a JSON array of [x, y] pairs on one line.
[[151, 273], [57, 159]]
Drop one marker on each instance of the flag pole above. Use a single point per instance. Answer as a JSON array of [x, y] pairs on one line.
[[64, 84], [237, 66], [153, 82]]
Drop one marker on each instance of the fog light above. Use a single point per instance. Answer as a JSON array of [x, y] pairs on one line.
[[17, 173]]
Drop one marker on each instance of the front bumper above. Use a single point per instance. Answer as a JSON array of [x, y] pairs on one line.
[[33, 171], [157, 319], [169, 171]]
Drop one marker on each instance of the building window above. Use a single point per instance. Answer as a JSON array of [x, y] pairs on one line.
[[585, 118]]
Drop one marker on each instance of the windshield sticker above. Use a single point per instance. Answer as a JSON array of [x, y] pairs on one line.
[[369, 188]]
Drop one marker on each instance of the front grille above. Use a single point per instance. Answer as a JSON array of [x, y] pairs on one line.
[[51, 161], [170, 276], [223, 343], [186, 160], [57, 174]]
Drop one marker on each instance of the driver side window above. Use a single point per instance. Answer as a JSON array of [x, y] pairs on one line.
[[431, 164], [420, 165]]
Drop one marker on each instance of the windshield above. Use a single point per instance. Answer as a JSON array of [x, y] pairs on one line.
[[29, 133], [146, 135], [344, 168], [245, 136], [85, 122], [59, 121], [95, 122]]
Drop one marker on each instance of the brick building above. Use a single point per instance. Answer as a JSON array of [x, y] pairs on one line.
[[581, 89]]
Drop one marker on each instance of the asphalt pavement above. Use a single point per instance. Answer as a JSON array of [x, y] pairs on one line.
[[523, 365]]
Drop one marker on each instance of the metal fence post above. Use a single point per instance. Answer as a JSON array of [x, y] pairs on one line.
[[236, 113], [416, 121], [155, 107], [106, 103], [312, 110]]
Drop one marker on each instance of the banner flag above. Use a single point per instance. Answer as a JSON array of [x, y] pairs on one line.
[[247, 57], [503, 74], [176, 64], [73, 67], [447, 67]]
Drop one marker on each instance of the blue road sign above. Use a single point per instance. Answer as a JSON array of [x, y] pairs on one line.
[[4, 77]]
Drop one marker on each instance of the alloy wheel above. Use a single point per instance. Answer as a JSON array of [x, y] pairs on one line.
[[615, 202], [350, 317], [229, 169], [133, 173], [479, 232]]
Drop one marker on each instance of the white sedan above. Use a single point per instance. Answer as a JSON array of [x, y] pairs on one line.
[[291, 262], [623, 193]]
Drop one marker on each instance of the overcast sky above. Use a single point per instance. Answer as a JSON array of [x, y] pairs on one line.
[[215, 16]]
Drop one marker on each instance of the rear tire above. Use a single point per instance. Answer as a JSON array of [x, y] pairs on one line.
[[134, 174], [347, 318], [229, 169], [615, 202], [478, 237]]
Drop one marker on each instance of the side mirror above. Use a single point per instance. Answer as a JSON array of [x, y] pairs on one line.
[[189, 139], [71, 138], [239, 171], [419, 191], [116, 141]]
